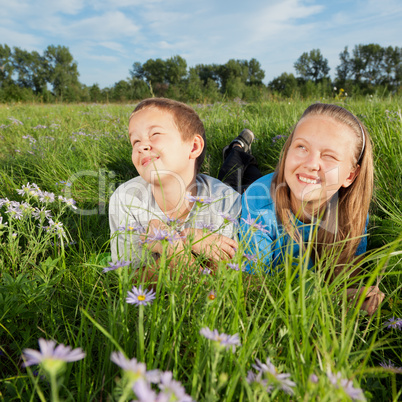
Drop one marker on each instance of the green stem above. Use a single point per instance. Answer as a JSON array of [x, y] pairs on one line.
[[54, 387], [126, 392], [215, 360], [141, 333]]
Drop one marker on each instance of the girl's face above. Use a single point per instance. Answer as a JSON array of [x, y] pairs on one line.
[[319, 162]]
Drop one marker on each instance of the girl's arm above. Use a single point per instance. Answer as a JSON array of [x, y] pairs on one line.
[[258, 229]]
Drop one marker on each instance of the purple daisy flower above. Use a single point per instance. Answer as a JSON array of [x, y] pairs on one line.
[[257, 378], [236, 266], [172, 222], [4, 201], [280, 381], [16, 121], [69, 201], [145, 393], [136, 227], [15, 212], [250, 257], [394, 323], [139, 297], [391, 366], [116, 265], [135, 369], [41, 213], [172, 388], [50, 352], [205, 226], [46, 196], [254, 225], [224, 340], [229, 219], [346, 385], [28, 189], [199, 199], [161, 234]]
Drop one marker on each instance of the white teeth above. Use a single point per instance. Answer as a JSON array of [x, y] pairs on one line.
[[306, 180]]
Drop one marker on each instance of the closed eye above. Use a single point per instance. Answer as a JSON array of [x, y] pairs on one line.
[[329, 156]]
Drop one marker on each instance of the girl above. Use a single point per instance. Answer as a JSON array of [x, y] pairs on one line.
[[323, 183]]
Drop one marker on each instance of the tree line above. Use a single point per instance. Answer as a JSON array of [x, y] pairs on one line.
[[53, 76]]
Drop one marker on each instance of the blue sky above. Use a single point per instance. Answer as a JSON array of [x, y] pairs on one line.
[[106, 37]]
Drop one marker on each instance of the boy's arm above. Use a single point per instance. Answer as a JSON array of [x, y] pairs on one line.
[[215, 247], [175, 250]]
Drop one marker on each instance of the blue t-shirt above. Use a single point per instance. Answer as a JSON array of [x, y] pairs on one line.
[[271, 243]]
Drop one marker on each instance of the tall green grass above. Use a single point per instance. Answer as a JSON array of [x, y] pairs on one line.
[[55, 289]]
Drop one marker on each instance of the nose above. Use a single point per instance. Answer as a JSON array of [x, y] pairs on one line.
[[312, 161], [144, 147]]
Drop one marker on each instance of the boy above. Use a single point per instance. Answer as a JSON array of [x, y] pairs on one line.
[[164, 201]]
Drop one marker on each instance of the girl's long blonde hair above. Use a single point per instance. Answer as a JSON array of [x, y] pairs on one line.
[[343, 217]]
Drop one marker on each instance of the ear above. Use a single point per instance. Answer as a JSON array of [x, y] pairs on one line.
[[197, 146], [352, 176]]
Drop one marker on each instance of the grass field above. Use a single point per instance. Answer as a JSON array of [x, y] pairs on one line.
[[52, 284]]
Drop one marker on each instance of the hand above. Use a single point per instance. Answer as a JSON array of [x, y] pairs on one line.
[[373, 299], [215, 247]]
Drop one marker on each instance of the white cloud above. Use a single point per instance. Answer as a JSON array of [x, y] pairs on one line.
[[284, 18], [165, 45], [25, 41], [103, 58], [70, 7], [21, 9], [115, 46], [111, 25]]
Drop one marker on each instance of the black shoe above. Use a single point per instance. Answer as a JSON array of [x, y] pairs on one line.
[[244, 139]]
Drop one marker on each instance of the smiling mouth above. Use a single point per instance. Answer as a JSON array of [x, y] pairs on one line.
[[308, 180], [147, 161]]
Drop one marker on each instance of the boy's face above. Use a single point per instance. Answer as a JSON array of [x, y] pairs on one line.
[[159, 153]]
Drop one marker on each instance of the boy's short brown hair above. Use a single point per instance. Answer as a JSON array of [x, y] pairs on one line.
[[186, 119]]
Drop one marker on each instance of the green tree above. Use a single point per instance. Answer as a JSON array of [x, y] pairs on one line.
[[255, 73], [392, 66], [370, 66], [176, 70], [367, 63], [138, 89], [62, 72], [194, 86], [31, 70], [137, 71], [154, 71], [208, 72], [344, 69], [95, 93], [6, 66], [312, 66], [234, 72], [121, 91], [285, 84]]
